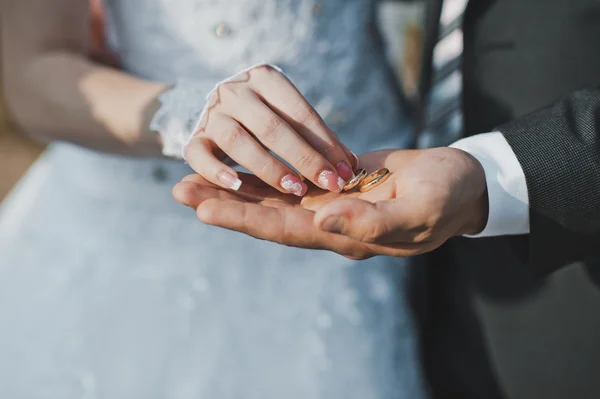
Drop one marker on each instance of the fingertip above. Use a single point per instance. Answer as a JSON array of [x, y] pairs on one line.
[[291, 183], [193, 178], [177, 193], [203, 161], [187, 193], [330, 180]]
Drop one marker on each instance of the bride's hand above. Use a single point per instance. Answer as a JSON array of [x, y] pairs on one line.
[[430, 196], [258, 110]]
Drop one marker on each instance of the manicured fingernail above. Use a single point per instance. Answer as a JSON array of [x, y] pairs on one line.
[[344, 171], [230, 181], [355, 161], [294, 185], [332, 224], [331, 181]]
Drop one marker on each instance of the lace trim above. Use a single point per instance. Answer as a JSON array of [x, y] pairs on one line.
[[179, 115]]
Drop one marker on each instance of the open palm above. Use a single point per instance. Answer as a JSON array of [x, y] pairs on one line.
[[418, 179]]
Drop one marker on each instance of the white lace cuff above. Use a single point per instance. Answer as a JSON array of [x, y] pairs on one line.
[[180, 112]]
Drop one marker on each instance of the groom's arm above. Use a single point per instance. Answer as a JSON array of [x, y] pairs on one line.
[[557, 151]]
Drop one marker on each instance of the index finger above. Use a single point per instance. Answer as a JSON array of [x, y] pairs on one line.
[[291, 226], [285, 100]]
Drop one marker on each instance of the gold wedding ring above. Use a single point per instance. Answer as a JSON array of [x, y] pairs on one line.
[[355, 180], [373, 180]]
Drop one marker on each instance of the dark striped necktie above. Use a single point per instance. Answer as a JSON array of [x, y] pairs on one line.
[[440, 117]]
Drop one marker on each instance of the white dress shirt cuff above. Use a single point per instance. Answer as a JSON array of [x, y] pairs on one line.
[[506, 185]]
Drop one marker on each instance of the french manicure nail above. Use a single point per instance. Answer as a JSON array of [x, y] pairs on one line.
[[294, 185], [332, 224], [230, 181], [344, 171], [331, 181]]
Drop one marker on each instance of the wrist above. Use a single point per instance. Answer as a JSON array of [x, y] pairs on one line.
[[149, 111], [475, 211]]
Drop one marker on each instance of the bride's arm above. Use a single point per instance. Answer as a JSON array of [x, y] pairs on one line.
[[54, 91]]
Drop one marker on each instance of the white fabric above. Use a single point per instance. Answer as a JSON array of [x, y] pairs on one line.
[[506, 185], [177, 113], [177, 116], [110, 289]]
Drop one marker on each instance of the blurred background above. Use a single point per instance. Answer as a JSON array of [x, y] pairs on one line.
[[16, 154]]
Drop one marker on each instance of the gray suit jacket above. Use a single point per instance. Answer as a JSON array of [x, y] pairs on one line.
[[519, 317]]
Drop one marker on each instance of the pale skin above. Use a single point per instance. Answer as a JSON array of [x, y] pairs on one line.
[[56, 90], [430, 196], [263, 103]]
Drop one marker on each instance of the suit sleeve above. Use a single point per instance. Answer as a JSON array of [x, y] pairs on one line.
[[559, 151]]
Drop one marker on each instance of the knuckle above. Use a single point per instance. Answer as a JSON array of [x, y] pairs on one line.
[[271, 128], [245, 217], [197, 145], [286, 232], [202, 124], [232, 138], [263, 68], [329, 149], [268, 167], [227, 90], [306, 160], [307, 115], [264, 71]]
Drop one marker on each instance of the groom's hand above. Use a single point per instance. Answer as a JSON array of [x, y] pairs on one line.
[[430, 196], [439, 193]]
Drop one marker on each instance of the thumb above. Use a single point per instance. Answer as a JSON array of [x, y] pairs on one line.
[[362, 220]]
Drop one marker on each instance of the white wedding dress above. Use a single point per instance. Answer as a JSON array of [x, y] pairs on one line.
[[109, 289]]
